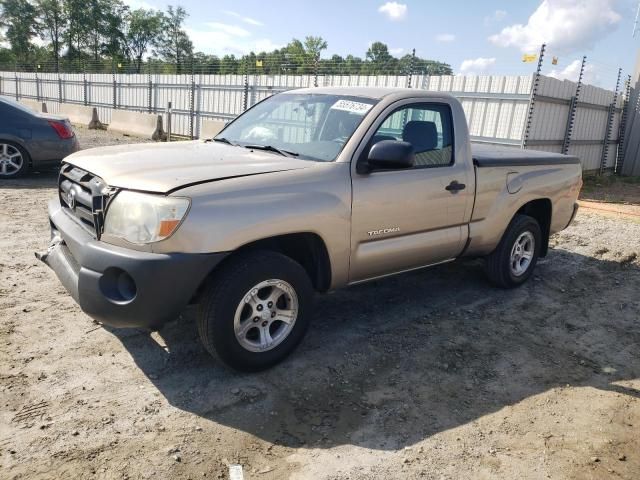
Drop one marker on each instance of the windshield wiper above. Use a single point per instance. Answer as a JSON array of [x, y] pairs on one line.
[[225, 140], [271, 148]]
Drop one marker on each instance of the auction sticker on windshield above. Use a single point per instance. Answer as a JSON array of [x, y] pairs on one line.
[[351, 106]]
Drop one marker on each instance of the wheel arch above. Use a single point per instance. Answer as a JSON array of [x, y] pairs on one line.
[[541, 210], [306, 248]]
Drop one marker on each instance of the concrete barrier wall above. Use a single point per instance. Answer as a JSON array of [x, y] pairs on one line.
[[136, 124], [77, 114], [32, 104], [210, 128]]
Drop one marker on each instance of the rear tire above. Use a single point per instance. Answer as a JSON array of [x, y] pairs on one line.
[[14, 160], [255, 310], [514, 259]]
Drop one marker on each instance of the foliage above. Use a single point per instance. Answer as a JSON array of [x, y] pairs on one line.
[[144, 29], [175, 46], [107, 36], [18, 17]]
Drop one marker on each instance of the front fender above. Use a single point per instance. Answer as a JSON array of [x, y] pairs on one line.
[[228, 214]]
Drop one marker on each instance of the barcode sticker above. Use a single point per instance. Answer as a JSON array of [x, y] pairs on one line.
[[351, 106]]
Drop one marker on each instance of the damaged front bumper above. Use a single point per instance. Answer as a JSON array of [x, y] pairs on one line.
[[118, 286]]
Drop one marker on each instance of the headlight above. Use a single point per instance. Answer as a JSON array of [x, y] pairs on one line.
[[144, 218]]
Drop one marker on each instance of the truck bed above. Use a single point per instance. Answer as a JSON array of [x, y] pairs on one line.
[[493, 156]]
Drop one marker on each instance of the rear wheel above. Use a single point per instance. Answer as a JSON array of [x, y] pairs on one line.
[[14, 160], [255, 310], [515, 257]]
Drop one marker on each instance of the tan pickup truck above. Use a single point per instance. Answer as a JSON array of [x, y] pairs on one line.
[[309, 190]]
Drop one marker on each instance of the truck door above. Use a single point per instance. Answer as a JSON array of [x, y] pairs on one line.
[[409, 218]]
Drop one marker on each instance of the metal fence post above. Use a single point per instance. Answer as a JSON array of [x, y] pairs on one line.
[[532, 98], [609, 125], [192, 95], [411, 65], [573, 107], [37, 84], [198, 104], [84, 83], [245, 96], [149, 90], [622, 127], [1, 80], [168, 121], [59, 88], [316, 63], [17, 86], [115, 88]]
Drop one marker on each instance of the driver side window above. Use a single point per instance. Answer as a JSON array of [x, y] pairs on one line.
[[427, 127]]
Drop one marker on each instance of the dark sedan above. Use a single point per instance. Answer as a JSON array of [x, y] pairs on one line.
[[29, 139]]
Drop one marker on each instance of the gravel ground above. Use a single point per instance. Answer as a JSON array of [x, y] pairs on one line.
[[432, 374]]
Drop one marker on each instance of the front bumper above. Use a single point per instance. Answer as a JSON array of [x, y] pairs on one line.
[[118, 286]]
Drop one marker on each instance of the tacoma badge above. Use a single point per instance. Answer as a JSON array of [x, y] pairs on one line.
[[383, 231]]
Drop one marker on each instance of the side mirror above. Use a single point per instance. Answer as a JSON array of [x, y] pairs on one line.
[[390, 154]]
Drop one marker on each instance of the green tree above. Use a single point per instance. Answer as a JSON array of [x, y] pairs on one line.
[[114, 42], [229, 64], [53, 25], [353, 65], [313, 47], [7, 57], [293, 56], [175, 46], [18, 17], [144, 30], [378, 53], [77, 30]]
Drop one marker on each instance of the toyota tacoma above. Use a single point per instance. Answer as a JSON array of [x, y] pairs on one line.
[[308, 191]]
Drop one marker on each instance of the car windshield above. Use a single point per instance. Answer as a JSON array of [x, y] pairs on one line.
[[307, 126]]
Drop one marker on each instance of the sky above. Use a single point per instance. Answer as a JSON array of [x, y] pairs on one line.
[[474, 37]]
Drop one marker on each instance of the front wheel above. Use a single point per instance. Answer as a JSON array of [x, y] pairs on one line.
[[515, 257], [255, 310]]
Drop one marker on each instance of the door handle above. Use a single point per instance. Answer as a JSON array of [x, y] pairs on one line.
[[454, 186]]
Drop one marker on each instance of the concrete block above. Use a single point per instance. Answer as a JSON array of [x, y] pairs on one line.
[[34, 105], [210, 128], [81, 115], [146, 125]]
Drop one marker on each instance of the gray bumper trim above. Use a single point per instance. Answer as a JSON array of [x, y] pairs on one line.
[[165, 283]]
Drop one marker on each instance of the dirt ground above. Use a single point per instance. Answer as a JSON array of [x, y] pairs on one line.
[[432, 374]]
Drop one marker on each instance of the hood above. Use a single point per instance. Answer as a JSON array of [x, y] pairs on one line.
[[164, 167]]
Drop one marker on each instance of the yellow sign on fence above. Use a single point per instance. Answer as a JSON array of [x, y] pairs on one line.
[[258, 63]]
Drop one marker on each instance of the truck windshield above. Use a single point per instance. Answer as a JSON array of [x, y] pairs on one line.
[[308, 126]]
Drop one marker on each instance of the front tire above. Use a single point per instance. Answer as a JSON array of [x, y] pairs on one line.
[[514, 259], [255, 310]]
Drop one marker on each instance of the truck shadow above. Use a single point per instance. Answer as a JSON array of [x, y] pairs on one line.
[[392, 362]]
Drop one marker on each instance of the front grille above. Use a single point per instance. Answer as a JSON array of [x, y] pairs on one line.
[[83, 196]]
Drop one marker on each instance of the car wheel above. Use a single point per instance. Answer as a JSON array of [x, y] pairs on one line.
[[255, 310], [14, 160], [515, 257]]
